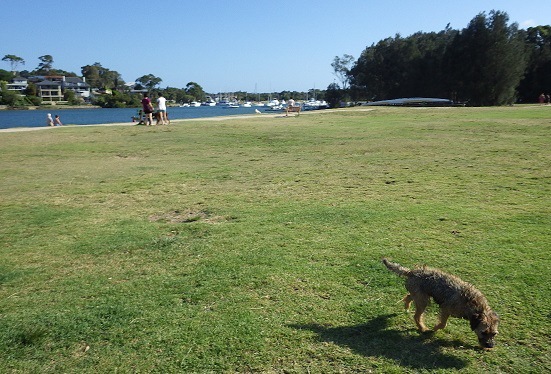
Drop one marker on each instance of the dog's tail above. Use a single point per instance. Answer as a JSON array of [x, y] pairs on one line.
[[397, 268]]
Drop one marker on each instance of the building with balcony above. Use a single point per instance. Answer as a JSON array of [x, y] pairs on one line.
[[50, 90], [18, 84], [77, 85]]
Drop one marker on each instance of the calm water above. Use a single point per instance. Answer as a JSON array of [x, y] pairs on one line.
[[37, 118]]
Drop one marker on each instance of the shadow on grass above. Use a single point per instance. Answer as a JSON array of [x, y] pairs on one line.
[[373, 339]]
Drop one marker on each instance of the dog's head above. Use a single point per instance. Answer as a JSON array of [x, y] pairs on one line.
[[485, 326]]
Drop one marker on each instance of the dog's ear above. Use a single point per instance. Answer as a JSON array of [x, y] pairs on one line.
[[475, 321]]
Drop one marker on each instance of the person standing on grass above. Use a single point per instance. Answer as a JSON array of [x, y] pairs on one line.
[[161, 106], [147, 109]]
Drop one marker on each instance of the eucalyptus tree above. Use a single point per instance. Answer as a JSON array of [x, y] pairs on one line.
[[341, 69], [45, 65], [14, 61], [92, 74], [149, 81], [101, 77], [195, 90]]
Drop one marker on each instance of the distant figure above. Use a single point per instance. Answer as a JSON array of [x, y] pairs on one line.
[[161, 105], [57, 121], [291, 102], [147, 109], [541, 98], [49, 120], [548, 99]]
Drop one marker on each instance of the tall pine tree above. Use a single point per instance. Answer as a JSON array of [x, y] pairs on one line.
[[486, 61], [537, 79]]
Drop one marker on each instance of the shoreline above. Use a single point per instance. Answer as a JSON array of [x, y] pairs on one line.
[[173, 122], [49, 107]]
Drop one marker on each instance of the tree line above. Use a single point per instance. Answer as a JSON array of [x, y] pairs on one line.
[[489, 62], [116, 93]]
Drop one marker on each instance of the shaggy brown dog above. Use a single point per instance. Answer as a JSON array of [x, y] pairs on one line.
[[455, 297]]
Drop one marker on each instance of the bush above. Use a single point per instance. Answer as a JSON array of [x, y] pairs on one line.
[[116, 100], [334, 95], [33, 100], [10, 98]]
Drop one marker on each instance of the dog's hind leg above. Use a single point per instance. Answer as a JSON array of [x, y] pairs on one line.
[[407, 301], [420, 306]]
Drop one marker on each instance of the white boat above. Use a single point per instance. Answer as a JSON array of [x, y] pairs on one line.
[[314, 104], [209, 102], [231, 105], [272, 103], [194, 104], [274, 108], [248, 104]]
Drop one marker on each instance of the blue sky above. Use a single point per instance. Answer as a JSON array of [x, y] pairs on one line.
[[267, 46]]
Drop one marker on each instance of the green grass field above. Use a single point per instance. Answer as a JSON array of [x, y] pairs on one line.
[[254, 245]]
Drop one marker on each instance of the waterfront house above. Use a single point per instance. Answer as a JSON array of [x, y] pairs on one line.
[[77, 85], [50, 90], [18, 84]]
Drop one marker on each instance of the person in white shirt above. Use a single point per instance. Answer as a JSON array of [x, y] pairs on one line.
[[49, 120], [161, 105]]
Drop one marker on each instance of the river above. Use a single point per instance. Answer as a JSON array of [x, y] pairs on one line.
[[37, 118]]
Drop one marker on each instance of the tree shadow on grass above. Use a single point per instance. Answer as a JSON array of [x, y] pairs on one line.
[[374, 339]]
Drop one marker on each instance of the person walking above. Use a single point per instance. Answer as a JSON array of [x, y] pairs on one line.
[[161, 107], [147, 109]]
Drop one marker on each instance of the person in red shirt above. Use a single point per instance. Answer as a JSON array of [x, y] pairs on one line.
[[147, 109]]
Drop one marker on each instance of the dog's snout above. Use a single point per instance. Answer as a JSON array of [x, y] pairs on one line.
[[487, 344]]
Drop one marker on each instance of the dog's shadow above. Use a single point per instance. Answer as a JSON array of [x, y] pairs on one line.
[[375, 339]]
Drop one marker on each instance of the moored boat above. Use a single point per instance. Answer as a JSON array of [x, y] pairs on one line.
[[209, 102], [314, 104]]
